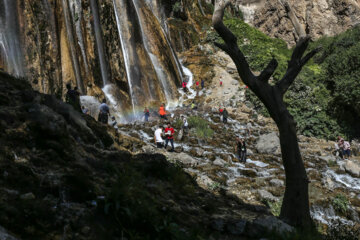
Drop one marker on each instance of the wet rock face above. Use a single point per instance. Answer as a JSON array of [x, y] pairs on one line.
[[81, 42], [319, 17]]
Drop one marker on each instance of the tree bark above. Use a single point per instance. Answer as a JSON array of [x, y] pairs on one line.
[[295, 207]]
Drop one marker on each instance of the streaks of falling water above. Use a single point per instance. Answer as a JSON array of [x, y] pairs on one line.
[[76, 13], [201, 8], [154, 59], [75, 62], [10, 47], [125, 51], [99, 41]]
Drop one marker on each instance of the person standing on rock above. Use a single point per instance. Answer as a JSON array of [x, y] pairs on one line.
[[169, 133], [225, 115], [162, 112], [240, 149], [104, 112], [184, 86], [346, 149], [158, 137], [185, 125], [147, 114], [202, 83], [72, 97]]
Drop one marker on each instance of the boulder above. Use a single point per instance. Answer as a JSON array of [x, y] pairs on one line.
[[5, 235], [265, 195], [219, 162], [184, 159], [266, 224], [276, 182], [352, 168], [328, 159], [268, 143], [27, 196]]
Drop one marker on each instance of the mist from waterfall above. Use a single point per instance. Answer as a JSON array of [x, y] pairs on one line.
[[10, 46]]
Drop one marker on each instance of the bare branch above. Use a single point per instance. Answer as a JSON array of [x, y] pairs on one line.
[[268, 71], [310, 55], [222, 47], [230, 46], [296, 63]]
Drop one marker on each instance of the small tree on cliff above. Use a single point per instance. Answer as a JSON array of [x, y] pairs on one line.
[[295, 207]]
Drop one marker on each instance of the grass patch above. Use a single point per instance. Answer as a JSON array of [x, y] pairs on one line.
[[340, 203], [201, 127]]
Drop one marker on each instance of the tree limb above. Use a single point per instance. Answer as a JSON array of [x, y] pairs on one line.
[[268, 71], [296, 63], [230, 46]]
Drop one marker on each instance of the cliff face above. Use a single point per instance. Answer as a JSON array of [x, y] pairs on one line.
[[91, 44], [319, 17]]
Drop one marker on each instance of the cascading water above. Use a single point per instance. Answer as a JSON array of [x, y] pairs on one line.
[[10, 46], [99, 41], [76, 14], [75, 62], [118, 7]]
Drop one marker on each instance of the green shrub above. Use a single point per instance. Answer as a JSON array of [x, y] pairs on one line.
[[201, 127], [275, 207], [325, 97], [340, 203]]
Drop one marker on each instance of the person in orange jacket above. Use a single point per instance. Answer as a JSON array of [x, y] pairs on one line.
[[162, 112]]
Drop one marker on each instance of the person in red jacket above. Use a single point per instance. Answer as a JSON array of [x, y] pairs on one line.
[[169, 134], [197, 84], [184, 86]]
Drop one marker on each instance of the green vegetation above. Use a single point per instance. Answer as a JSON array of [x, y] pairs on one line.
[[143, 212], [340, 203], [201, 127], [325, 97], [275, 207]]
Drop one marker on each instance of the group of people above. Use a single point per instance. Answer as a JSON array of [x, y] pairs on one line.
[[342, 148], [197, 84], [168, 134]]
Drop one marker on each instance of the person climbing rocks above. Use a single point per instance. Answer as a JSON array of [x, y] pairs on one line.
[[114, 122], [221, 83], [72, 97], [104, 112], [169, 134], [185, 125], [197, 85], [184, 86], [346, 149], [158, 137], [202, 83], [84, 110], [193, 106], [240, 149], [162, 111], [147, 114], [225, 115]]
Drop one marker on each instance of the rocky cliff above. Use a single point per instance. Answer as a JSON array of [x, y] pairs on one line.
[[318, 18]]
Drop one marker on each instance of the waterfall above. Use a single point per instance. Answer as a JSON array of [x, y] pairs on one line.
[[201, 8], [99, 41], [75, 62], [160, 72], [121, 30], [76, 14], [10, 46]]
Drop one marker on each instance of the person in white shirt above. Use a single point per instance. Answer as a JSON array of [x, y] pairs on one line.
[[158, 138]]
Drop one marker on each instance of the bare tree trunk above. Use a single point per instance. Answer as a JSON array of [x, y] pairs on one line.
[[295, 208]]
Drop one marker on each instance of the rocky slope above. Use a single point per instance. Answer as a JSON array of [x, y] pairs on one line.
[[319, 18], [65, 176]]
